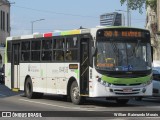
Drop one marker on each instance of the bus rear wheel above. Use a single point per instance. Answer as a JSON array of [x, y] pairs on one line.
[[29, 90], [75, 94]]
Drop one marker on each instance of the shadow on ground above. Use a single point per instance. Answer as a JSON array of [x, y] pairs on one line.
[[102, 102], [6, 92]]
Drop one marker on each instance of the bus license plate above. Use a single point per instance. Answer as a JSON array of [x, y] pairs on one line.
[[127, 90]]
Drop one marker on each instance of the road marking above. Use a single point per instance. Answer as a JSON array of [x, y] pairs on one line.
[[54, 105], [2, 95]]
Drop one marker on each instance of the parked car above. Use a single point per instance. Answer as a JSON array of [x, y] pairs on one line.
[[156, 81]]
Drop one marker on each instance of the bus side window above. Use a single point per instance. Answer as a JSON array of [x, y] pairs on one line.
[[58, 49], [36, 46], [59, 55], [46, 53], [25, 51], [9, 50], [68, 55], [71, 49]]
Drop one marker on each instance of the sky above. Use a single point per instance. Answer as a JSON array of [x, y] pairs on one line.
[[64, 15]]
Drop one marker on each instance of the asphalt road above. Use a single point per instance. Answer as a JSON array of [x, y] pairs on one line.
[[56, 106]]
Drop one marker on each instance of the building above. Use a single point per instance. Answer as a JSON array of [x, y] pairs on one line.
[[4, 26], [111, 19], [153, 25]]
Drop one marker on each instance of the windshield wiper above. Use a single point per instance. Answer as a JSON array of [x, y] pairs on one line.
[[114, 47], [136, 48]]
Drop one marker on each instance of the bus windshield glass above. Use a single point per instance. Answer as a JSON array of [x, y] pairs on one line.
[[123, 53]]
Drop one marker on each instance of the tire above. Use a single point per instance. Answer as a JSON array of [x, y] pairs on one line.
[[122, 101], [29, 89], [75, 94]]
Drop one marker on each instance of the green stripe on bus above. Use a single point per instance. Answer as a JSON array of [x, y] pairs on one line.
[[65, 33], [126, 81], [42, 73], [77, 72]]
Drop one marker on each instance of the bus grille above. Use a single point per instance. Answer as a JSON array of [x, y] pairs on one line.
[[120, 91], [127, 93], [127, 85]]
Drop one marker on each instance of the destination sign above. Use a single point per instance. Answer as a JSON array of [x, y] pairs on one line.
[[123, 33]]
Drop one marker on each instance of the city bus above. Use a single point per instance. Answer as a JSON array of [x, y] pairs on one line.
[[103, 62]]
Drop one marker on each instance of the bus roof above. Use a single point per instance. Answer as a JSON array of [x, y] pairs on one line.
[[50, 34], [63, 33]]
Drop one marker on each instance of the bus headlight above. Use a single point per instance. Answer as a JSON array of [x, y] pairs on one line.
[[99, 79], [106, 84], [103, 82], [144, 90]]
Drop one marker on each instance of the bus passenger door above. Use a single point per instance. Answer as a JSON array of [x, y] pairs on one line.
[[15, 72], [84, 66]]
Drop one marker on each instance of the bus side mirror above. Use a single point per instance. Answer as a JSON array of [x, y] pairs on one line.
[[94, 51]]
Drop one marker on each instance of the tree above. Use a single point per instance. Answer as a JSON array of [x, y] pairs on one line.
[[152, 4], [139, 4]]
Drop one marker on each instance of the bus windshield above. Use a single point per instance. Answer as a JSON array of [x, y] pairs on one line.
[[123, 55]]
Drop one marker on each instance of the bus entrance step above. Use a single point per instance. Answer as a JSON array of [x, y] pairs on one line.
[[15, 89]]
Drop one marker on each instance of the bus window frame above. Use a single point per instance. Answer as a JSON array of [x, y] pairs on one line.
[[52, 49], [22, 61], [71, 49], [47, 50], [10, 50], [31, 40]]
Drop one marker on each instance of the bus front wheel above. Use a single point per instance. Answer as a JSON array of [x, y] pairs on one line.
[[75, 94]]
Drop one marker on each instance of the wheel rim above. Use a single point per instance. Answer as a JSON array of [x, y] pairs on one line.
[[75, 93]]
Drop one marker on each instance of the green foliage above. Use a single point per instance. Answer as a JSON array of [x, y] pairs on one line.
[[152, 4], [134, 4], [138, 4]]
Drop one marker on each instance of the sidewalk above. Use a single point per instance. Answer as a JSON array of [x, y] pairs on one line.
[[6, 92]]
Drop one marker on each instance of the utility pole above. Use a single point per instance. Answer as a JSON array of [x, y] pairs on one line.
[[128, 18], [34, 22]]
